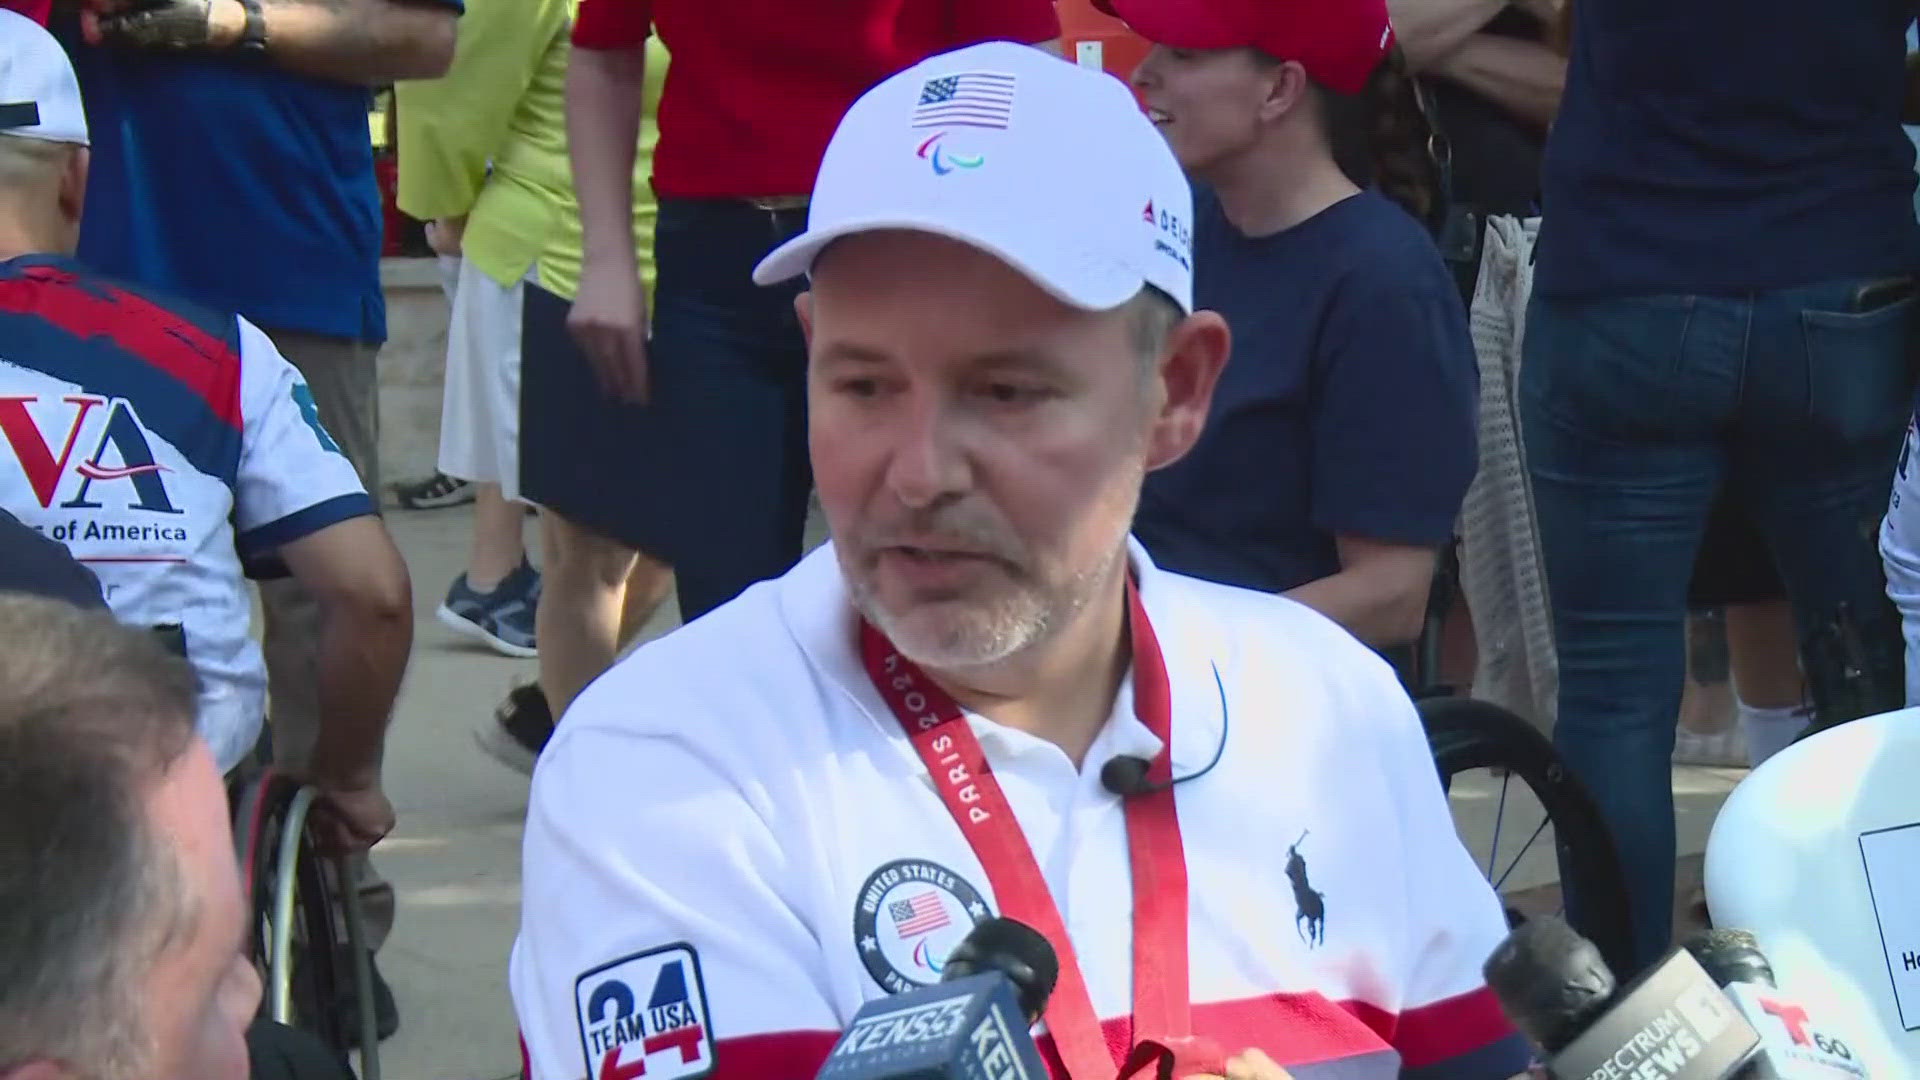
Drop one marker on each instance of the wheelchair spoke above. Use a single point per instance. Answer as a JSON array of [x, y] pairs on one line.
[[1499, 815], [1542, 827]]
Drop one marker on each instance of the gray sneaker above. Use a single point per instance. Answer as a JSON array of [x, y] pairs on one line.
[[503, 618]]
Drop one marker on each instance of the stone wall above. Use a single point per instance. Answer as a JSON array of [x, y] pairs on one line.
[[412, 366]]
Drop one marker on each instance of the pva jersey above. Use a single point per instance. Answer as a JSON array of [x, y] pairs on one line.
[[733, 834], [161, 444]]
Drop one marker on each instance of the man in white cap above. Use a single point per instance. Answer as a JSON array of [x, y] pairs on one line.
[[981, 698], [170, 448]]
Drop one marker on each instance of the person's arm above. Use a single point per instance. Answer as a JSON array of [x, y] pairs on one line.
[[1379, 593], [650, 862], [448, 129], [1523, 77], [1394, 438], [366, 635], [370, 42], [606, 83], [1428, 30], [297, 497]]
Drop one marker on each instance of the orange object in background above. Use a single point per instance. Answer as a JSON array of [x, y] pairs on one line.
[[1094, 40]]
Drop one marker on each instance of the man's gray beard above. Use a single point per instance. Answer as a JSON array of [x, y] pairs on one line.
[[983, 634]]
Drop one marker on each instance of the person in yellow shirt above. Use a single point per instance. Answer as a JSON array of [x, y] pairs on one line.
[[483, 158]]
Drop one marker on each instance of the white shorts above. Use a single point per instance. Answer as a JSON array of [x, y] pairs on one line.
[[480, 414], [1900, 551]]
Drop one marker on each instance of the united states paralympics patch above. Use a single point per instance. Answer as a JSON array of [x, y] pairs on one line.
[[910, 915], [646, 1015]]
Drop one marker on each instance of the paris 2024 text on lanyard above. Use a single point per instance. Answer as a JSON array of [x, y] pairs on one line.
[[946, 743]]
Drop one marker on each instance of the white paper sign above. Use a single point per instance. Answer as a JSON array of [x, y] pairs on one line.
[[1090, 54], [1892, 859]]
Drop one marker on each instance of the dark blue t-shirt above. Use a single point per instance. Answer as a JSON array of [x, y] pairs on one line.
[[235, 184], [1725, 146], [1348, 406]]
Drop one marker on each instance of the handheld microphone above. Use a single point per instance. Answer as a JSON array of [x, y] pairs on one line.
[[1792, 1044], [972, 1026], [1671, 1023]]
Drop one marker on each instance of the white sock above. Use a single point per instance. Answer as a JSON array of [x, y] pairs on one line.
[[1768, 731]]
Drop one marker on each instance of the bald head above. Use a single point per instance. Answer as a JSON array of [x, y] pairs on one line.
[[43, 189]]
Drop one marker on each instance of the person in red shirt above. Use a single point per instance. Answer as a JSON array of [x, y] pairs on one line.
[[690, 443]]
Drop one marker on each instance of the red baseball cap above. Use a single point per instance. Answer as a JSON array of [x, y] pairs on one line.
[[1339, 42]]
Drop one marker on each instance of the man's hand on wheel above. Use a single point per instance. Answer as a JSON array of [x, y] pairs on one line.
[[349, 820], [1248, 1065], [609, 320]]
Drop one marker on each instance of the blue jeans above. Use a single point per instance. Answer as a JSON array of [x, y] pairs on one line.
[[729, 380], [1635, 412]]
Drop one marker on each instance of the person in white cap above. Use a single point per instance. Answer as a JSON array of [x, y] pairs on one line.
[[981, 698], [173, 450]]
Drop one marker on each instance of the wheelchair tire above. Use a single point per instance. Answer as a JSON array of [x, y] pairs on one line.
[[303, 994], [1464, 734]]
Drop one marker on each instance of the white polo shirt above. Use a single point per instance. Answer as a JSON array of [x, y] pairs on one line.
[[732, 845]]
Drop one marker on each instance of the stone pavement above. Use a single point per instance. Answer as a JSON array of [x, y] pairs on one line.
[[455, 857]]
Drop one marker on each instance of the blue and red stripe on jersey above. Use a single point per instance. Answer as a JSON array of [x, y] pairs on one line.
[[178, 364]]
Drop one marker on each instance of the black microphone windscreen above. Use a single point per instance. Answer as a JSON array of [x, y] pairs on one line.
[[1125, 776], [1551, 981], [1014, 949], [1731, 956]]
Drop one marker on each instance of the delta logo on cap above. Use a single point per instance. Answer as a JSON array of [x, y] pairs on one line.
[[1173, 237]]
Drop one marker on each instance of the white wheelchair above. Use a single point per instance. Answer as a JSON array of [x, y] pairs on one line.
[[1817, 852], [303, 922]]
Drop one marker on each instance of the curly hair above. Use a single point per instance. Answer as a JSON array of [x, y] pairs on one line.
[[1382, 135]]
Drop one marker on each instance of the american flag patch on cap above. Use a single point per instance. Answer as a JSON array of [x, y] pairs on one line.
[[968, 99]]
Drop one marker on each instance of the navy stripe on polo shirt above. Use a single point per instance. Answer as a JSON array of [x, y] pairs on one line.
[[184, 375]]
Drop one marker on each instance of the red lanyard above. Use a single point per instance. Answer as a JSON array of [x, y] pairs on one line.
[[940, 732]]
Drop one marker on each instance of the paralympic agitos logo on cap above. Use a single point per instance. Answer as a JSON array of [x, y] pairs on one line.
[[909, 916]]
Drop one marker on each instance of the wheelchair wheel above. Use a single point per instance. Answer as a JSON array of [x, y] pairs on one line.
[[296, 897], [1551, 821]]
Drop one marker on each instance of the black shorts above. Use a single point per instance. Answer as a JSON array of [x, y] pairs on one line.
[[594, 460], [1734, 565]]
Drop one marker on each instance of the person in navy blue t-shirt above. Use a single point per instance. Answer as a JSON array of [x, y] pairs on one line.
[[1723, 299], [1341, 439], [233, 166]]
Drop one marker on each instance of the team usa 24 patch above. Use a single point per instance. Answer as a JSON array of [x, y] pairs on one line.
[[645, 1015]]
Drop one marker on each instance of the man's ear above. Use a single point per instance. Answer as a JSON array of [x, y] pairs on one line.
[[73, 185], [1190, 367], [803, 307]]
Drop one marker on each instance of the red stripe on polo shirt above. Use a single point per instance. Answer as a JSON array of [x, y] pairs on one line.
[[1450, 1027], [196, 359], [1294, 1029]]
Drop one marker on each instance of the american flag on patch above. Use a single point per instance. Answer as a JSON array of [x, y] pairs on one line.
[[969, 99], [918, 915]]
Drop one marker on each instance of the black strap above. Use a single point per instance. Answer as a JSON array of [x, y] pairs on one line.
[[18, 114]]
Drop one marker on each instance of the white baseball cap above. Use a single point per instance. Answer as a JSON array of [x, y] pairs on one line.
[[1051, 167], [39, 97]]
